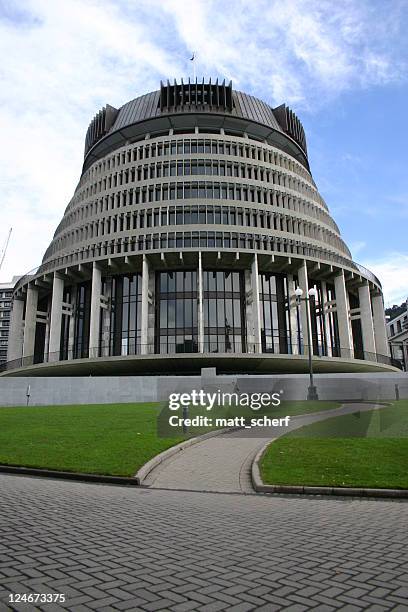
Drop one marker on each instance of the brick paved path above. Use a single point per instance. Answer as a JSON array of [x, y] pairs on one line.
[[117, 548], [223, 463]]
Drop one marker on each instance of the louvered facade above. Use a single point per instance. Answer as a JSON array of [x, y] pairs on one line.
[[195, 218]]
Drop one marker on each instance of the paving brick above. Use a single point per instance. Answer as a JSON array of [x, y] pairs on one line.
[[117, 548], [214, 607], [242, 607], [160, 604], [401, 592], [185, 606]]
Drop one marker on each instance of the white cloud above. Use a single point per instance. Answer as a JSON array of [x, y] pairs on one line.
[[357, 247], [392, 270], [64, 60], [299, 51]]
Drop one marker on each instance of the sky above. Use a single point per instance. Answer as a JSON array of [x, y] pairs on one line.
[[341, 66]]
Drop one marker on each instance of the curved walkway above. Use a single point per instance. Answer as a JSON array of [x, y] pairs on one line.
[[223, 463]]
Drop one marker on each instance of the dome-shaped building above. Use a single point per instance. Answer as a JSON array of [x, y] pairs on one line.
[[194, 220]]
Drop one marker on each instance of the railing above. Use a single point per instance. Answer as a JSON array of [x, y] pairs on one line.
[[28, 276], [216, 348], [368, 274]]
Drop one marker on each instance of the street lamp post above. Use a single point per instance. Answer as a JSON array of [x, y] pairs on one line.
[[312, 294]]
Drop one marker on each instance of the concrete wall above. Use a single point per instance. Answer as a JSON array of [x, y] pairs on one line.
[[77, 390], [121, 389]]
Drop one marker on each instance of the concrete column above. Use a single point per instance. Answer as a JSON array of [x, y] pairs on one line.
[[106, 320], [95, 311], [367, 328], [144, 318], [56, 317], [200, 305], [30, 321], [249, 310], [151, 321], [380, 334], [326, 316], [15, 339], [71, 338], [47, 332], [256, 309], [294, 340], [343, 318], [304, 310]]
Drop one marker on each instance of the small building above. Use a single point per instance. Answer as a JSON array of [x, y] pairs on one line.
[[6, 303], [397, 332]]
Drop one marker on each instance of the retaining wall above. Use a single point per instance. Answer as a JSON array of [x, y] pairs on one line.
[[121, 389]]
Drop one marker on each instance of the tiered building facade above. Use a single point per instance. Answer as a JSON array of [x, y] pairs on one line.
[[194, 220]]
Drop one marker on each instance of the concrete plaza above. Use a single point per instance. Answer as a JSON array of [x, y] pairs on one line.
[[117, 548]]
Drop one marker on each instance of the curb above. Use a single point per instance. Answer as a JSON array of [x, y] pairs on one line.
[[78, 476], [132, 481], [148, 467], [260, 487], [343, 404]]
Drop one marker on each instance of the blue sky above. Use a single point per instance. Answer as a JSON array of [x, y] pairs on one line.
[[341, 66]]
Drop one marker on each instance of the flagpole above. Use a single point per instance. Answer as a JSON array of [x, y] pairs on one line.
[[192, 59]]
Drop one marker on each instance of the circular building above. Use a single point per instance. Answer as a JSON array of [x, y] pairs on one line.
[[194, 220]]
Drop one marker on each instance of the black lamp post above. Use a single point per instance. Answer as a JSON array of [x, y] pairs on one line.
[[312, 294]]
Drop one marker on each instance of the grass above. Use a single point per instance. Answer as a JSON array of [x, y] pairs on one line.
[[113, 439], [292, 408], [295, 408], [369, 449]]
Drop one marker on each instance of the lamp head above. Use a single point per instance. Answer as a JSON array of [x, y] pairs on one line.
[[312, 292], [298, 292]]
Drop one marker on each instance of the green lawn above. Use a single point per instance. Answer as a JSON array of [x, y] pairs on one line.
[[291, 408], [296, 408], [360, 450], [114, 439]]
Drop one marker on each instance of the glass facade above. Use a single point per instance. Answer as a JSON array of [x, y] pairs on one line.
[[176, 316], [40, 332], [65, 325], [224, 312], [357, 334], [176, 312], [318, 330], [333, 326], [82, 320], [123, 335], [274, 314]]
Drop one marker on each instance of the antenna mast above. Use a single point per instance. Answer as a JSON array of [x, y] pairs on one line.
[[4, 250]]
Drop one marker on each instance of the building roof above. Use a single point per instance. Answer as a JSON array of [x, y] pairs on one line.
[[111, 126]]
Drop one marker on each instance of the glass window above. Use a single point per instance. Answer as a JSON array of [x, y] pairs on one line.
[[224, 311], [82, 320], [275, 317], [176, 320]]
